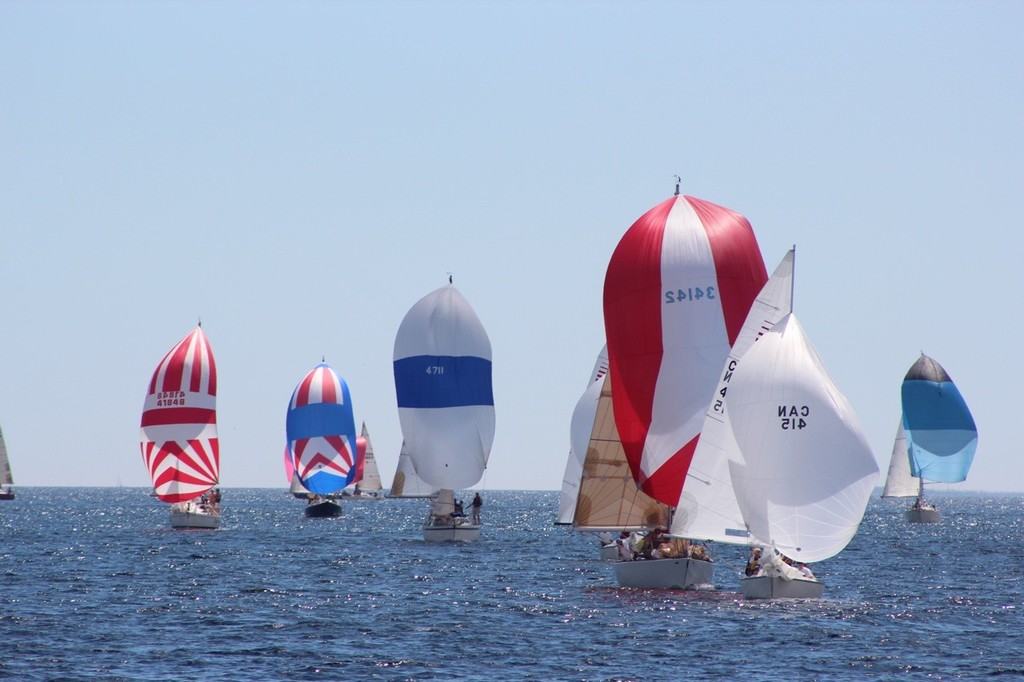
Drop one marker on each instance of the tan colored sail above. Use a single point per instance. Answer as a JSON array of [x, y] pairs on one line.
[[608, 497]]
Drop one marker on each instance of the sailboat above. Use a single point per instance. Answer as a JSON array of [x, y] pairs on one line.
[[677, 291], [406, 484], [367, 485], [322, 438], [442, 366], [179, 433], [936, 440], [801, 465], [6, 480]]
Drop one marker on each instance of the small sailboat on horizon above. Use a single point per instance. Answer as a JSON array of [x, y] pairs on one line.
[[6, 479], [936, 439], [178, 435], [367, 484], [442, 368], [321, 435]]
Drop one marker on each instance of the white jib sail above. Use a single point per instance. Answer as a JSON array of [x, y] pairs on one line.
[[707, 508], [806, 471], [579, 436]]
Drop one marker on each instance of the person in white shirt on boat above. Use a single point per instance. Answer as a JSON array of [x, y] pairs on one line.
[[804, 569], [754, 562]]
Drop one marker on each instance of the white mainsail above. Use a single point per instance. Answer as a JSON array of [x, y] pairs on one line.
[[707, 508], [805, 470], [6, 479], [899, 482], [579, 435], [371, 474]]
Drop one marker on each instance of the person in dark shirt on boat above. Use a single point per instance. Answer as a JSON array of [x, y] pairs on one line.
[[477, 503], [754, 563], [652, 542], [458, 509]]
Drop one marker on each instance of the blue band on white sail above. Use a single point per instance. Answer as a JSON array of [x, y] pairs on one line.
[[316, 419], [430, 381]]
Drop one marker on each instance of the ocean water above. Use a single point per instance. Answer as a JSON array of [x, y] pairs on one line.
[[95, 585]]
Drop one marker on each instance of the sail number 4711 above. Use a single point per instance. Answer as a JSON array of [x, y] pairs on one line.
[[689, 294], [435, 369]]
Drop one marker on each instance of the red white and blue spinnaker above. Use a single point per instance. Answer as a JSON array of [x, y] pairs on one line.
[[321, 431]]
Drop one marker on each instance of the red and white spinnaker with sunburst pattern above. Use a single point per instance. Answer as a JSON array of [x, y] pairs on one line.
[[678, 288], [179, 422]]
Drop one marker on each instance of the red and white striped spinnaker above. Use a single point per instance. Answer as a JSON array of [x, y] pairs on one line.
[[179, 422], [676, 293]]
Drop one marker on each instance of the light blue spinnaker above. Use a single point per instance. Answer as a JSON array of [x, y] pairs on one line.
[[940, 431]]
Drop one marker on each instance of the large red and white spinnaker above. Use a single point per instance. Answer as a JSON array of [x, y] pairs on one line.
[[676, 293]]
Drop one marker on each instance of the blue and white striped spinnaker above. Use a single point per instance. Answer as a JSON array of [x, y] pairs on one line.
[[941, 434], [442, 364]]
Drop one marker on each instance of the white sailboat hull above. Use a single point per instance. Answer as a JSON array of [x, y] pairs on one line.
[[923, 515], [193, 517], [777, 587], [454, 532], [664, 574]]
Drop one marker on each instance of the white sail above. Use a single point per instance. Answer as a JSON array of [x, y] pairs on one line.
[[297, 489], [707, 508], [442, 367], [899, 482], [371, 474], [406, 483], [579, 435], [6, 479], [805, 470]]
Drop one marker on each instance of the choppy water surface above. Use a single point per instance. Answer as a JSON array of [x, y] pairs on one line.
[[95, 585]]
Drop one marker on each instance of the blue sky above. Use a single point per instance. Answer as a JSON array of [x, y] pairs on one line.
[[298, 174]]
